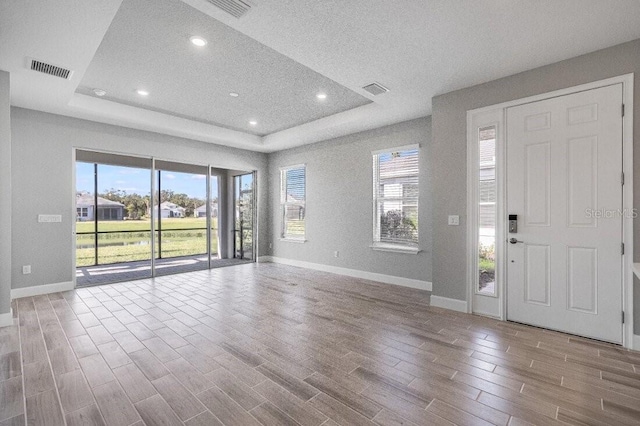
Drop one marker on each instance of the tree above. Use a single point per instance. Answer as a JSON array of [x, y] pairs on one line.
[[396, 224]]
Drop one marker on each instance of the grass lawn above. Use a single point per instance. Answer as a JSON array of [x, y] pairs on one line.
[[133, 246]]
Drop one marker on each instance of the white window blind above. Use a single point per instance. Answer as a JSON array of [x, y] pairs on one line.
[[395, 197], [292, 201]]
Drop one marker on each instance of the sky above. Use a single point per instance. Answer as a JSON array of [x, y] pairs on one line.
[[137, 181]]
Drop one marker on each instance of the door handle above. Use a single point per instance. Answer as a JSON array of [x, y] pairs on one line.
[[515, 241]]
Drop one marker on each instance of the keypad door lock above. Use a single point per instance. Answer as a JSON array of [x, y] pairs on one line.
[[513, 223]]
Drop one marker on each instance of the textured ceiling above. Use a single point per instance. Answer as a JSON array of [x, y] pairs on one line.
[[147, 46], [417, 48]]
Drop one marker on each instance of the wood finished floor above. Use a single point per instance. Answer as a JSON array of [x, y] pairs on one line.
[[276, 345]]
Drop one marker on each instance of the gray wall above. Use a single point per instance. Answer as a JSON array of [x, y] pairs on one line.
[[42, 147], [448, 160], [339, 202], [5, 194]]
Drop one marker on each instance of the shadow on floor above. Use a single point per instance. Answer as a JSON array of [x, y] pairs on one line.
[[105, 274]]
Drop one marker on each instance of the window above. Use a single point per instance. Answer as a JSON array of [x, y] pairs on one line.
[[486, 210], [395, 199], [292, 201]]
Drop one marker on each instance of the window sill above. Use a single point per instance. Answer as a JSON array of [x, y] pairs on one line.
[[395, 248], [294, 240]]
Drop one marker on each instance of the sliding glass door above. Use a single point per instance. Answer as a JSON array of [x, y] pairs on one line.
[[126, 230], [113, 230], [181, 227]]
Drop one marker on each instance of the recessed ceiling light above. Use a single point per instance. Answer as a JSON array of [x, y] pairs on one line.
[[99, 92], [198, 41], [142, 92], [321, 96], [234, 94], [253, 123]]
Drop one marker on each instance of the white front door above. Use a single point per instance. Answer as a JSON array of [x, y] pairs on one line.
[[564, 170]]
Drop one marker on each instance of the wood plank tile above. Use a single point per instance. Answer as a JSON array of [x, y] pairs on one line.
[[149, 364], [462, 418], [135, 384], [96, 370], [74, 391], [38, 377], [337, 411], [44, 409], [521, 407], [14, 421], [114, 404], [204, 419], [63, 360], [83, 346], [242, 354], [10, 365], [183, 402], [376, 352], [345, 396], [113, 354], [246, 397], [86, 416], [226, 409], [269, 415], [160, 349], [11, 397], [201, 361], [128, 341], [395, 407], [156, 412], [186, 374], [33, 349], [73, 328], [294, 385], [290, 404]]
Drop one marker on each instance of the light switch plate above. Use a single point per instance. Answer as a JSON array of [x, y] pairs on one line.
[[49, 218], [454, 220]]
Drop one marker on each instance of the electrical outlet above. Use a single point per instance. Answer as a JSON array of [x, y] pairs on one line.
[[270, 245], [26, 269], [336, 253], [454, 220]]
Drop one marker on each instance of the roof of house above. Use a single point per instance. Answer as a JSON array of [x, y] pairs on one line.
[[204, 206], [84, 200], [167, 205]]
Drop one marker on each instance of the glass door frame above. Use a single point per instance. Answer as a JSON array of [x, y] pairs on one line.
[[237, 189], [153, 213]]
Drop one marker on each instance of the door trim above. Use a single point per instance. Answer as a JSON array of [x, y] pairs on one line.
[[472, 210]]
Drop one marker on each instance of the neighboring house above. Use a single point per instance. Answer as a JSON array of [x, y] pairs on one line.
[[107, 209], [398, 183], [202, 210], [169, 209], [294, 211]]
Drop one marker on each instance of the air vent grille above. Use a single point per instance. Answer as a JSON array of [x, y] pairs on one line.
[[50, 69], [236, 8], [375, 89]]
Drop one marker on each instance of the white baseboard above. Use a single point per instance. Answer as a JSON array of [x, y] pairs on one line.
[[7, 318], [37, 290], [446, 303], [387, 279]]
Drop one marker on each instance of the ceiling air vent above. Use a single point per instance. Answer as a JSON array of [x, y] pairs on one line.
[[375, 89], [237, 8], [53, 70]]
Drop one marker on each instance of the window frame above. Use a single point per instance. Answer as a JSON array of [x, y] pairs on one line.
[[284, 204], [395, 246]]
